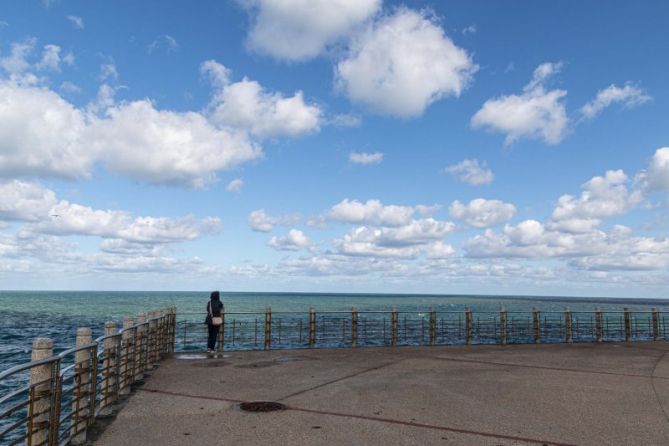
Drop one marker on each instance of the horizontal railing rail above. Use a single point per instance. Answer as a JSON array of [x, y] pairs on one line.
[[243, 330], [54, 399]]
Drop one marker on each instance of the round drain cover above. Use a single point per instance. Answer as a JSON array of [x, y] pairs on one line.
[[261, 406]]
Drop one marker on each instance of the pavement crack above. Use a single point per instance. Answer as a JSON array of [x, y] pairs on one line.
[[431, 426], [540, 367], [352, 375], [188, 395], [652, 383]]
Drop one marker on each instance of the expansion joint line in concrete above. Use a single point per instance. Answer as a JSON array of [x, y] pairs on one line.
[[187, 395], [431, 426], [343, 378], [377, 419], [652, 382], [541, 367]]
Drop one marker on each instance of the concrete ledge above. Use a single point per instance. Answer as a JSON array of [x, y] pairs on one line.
[[585, 394]]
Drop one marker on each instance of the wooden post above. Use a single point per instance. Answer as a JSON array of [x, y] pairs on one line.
[[173, 327], [393, 328], [656, 324], [536, 320], [433, 326], [41, 388], [502, 324], [567, 325], [152, 345], [628, 325], [598, 324], [109, 368], [140, 345], [354, 327], [127, 356], [468, 325], [312, 328], [160, 341], [268, 328], [81, 389]]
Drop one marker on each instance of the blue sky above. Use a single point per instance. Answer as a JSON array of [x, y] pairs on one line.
[[441, 147]]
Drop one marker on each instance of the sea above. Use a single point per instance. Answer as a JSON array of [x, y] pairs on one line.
[[25, 315]]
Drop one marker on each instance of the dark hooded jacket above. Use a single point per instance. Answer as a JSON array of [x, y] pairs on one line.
[[215, 304]]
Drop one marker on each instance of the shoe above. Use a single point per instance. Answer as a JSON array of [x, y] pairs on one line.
[[210, 350]]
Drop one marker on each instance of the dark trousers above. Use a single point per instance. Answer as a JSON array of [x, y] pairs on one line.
[[213, 336]]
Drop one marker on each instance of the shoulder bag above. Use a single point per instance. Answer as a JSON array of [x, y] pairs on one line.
[[215, 320]]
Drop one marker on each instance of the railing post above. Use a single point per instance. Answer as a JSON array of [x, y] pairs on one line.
[[656, 324], [221, 332], [536, 321], [468, 325], [127, 356], [109, 378], [41, 388], [393, 326], [173, 324], [628, 325], [268, 328], [82, 387], [502, 323], [433, 326], [312, 328], [567, 325], [354, 327], [151, 341], [598, 324], [163, 332], [139, 346]]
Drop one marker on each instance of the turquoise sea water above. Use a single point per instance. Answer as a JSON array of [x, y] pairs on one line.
[[25, 315]]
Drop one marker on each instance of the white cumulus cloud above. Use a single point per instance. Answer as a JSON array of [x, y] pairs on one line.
[[261, 221], [31, 202], [235, 185], [25, 201], [293, 241], [472, 172], [365, 158], [656, 177], [247, 105], [76, 21], [482, 213], [602, 196], [408, 241], [40, 134], [536, 113], [371, 212], [629, 96], [302, 29], [403, 63], [178, 148]]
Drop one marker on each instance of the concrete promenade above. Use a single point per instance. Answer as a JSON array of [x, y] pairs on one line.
[[580, 394]]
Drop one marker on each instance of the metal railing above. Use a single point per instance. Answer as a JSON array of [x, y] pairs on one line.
[[289, 330], [54, 399]]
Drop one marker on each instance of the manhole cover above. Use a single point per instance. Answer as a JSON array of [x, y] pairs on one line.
[[261, 406]]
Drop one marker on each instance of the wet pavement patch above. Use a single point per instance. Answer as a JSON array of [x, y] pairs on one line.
[[261, 406]]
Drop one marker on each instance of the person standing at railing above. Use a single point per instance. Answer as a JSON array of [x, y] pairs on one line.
[[214, 319]]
